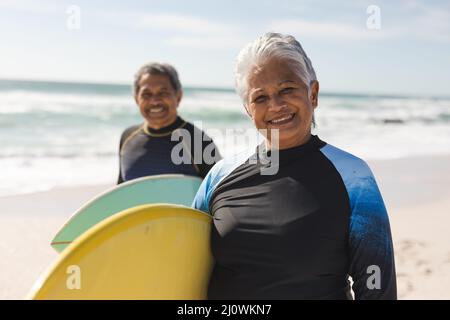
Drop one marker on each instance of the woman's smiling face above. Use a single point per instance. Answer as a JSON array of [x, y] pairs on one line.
[[279, 99]]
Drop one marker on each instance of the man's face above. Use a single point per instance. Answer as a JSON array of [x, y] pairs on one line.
[[157, 100], [278, 99]]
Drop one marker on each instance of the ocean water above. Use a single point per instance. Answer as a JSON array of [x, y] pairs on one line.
[[66, 134]]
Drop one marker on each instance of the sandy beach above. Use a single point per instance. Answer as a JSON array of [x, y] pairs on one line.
[[415, 190]]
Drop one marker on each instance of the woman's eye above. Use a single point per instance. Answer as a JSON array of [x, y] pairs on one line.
[[287, 90], [260, 99]]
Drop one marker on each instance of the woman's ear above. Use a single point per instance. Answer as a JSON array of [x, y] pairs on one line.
[[314, 93], [248, 113]]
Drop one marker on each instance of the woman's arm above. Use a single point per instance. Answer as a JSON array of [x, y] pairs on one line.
[[371, 251]]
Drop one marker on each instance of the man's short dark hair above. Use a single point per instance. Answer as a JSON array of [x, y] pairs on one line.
[[155, 68]]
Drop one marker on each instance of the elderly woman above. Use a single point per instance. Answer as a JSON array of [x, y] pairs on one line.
[[302, 232]]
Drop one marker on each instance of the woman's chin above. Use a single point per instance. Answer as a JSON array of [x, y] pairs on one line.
[[289, 140]]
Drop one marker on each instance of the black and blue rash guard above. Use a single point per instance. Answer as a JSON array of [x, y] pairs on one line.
[[299, 233], [145, 151]]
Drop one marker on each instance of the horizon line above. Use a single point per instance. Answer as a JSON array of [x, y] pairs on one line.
[[228, 89]]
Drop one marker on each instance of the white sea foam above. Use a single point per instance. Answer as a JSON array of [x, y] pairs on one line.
[[52, 137]]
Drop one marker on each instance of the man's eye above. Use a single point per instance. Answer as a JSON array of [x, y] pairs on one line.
[[287, 90], [145, 96], [163, 93]]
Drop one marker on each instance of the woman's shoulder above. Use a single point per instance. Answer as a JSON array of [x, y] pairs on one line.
[[349, 165], [357, 176], [227, 165]]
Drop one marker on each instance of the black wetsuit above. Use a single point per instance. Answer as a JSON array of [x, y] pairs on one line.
[[300, 233], [145, 152]]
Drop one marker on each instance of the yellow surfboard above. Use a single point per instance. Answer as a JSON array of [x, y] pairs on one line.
[[155, 251]]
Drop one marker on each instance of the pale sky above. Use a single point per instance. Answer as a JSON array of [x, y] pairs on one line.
[[408, 54]]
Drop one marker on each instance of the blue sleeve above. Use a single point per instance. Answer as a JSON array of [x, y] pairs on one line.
[[371, 253], [201, 201], [217, 173]]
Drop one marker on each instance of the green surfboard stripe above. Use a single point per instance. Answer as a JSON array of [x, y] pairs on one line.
[[171, 189]]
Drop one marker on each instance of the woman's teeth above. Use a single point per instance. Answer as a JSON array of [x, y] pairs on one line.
[[283, 119]]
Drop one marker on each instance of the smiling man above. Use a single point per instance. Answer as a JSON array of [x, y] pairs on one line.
[[147, 149]]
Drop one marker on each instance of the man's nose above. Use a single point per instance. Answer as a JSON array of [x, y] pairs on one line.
[[154, 99]]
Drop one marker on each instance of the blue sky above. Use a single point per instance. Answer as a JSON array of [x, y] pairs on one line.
[[409, 54]]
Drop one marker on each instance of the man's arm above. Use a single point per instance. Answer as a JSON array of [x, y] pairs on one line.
[[120, 179], [211, 155], [126, 135]]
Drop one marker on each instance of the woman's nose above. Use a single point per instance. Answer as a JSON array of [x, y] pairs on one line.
[[277, 104]]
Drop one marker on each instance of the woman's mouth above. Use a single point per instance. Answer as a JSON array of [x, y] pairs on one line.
[[283, 119]]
